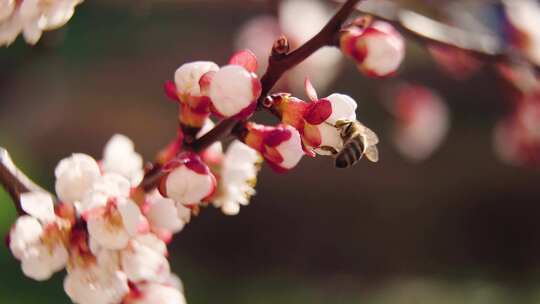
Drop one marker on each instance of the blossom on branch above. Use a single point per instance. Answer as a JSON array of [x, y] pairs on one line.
[[234, 89], [194, 108], [378, 49], [39, 239], [237, 178], [188, 180], [316, 120], [281, 145]]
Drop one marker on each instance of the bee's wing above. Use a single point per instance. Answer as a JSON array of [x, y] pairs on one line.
[[371, 138], [372, 153]]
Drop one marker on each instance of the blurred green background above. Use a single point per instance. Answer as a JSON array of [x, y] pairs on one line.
[[461, 227]]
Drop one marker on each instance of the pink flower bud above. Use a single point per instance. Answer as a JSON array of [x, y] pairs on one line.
[[281, 145], [378, 50], [187, 76], [234, 91], [189, 180]]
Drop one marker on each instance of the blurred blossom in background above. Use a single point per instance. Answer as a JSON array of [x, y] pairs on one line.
[[459, 224]]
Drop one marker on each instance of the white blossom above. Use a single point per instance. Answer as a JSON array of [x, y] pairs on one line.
[[36, 239], [119, 157], [144, 259], [32, 17], [74, 177], [290, 149], [151, 293], [231, 90], [164, 213], [187, 76], [343, 108], [238, 177], [106, 187], [113, 225], [190, 183], [99, 282]]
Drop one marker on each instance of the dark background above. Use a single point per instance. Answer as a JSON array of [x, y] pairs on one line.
[[461, 227]]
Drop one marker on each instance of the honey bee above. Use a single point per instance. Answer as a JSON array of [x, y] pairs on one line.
[[358, 140]]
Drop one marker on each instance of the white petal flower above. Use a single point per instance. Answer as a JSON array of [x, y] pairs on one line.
[[186, 186], [98, 283], [38, 245], [112, 226], [107, 186], [32, 17], [385, 50], [39, 205], [119, 157], [74, 177], [164, 214], [144, 260], [231, 90], [156, 293], [238, 176], [291, 149], [343, 108], [40, 262], [330, 137], [25, 232], [187, 76]]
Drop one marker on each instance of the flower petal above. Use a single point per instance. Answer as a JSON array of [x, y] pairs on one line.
[[39, 205], [246, 59]]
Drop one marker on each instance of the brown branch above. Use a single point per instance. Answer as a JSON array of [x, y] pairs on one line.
[[279, 62], [13, 180]]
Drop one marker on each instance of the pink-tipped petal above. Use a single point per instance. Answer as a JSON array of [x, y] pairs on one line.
[[318, 111], [170, 90], [204, 82], [246, 59], [311, 135], [247, 111], [277, 136], [310, 90]]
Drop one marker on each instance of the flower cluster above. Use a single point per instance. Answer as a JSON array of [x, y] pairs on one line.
[[202, 87], [109, 235], [32, 17], [109, 242]]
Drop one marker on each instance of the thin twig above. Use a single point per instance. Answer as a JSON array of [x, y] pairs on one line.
[[13, 180]]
